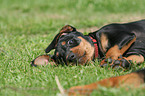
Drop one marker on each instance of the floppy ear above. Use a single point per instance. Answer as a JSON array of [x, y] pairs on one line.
[[66, 29]]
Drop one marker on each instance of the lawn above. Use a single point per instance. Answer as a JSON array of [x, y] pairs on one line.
[[28, 26]]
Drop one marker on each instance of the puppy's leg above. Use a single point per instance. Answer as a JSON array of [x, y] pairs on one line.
[[125, 62], [114, 53], [136, 58], [134, 79]]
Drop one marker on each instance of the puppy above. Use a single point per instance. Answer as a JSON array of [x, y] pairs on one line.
[[117, 45]]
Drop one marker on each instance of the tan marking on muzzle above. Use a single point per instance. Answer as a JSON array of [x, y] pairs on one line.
[[84, 51]]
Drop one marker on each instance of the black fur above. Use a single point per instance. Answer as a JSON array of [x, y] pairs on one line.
[[120, 34]]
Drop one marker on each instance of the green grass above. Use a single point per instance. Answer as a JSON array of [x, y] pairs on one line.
[[28, 26]]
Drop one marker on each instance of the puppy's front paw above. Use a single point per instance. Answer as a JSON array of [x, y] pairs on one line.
[[107, 61], [121, 62]]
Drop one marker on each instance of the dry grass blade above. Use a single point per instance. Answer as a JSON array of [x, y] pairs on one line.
[[62, 92]]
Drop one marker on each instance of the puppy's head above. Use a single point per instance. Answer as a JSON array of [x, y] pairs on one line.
[[71, 47]]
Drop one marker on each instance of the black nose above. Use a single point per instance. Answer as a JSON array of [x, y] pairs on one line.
[[71, 57]]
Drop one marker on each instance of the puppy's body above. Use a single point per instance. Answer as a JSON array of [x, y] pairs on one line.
[[121, 34]]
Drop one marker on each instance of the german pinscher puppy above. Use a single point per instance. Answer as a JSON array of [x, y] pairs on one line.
[[118, 45]]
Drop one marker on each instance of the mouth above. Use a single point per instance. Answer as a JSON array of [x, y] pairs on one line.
[[78, 59]]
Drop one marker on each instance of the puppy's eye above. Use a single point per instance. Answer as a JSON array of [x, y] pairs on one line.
[[70, 42]]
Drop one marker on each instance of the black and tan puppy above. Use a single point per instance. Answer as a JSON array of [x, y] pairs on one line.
[[117, 44]]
